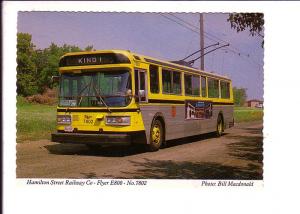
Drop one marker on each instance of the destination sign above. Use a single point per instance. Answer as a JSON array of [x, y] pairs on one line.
[[93, 59]]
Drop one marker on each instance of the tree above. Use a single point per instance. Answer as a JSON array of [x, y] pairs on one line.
[[36, 67], [239, 96], [252, 21], [26, 68], [89, 48], [51, 56]]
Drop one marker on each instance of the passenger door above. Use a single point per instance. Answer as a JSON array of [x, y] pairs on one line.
[[141, 85]]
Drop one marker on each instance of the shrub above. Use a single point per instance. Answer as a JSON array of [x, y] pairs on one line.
[[49, 97]]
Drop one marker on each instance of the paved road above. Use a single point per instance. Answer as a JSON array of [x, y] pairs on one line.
[[235, 155]]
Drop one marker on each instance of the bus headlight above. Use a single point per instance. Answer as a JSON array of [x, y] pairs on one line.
[[63, 119], [118, 120]]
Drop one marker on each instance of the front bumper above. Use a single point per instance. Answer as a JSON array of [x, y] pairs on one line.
[[96, 139]]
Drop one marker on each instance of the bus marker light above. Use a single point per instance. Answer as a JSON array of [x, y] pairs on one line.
[[64, 119], [173, 111]]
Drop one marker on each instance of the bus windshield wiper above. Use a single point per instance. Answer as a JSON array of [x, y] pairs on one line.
[[80, 96], [101, 98]]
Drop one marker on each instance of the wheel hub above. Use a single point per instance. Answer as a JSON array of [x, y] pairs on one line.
[[156, 134]]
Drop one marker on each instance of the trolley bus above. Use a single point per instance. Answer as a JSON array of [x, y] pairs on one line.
[[113, 97]]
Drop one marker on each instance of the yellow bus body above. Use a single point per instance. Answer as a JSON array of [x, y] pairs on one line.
[[92, 120]]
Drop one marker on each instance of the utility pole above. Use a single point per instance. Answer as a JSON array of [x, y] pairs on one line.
[[201, 42]]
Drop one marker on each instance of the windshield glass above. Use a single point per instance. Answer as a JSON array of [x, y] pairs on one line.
[[95, 89]]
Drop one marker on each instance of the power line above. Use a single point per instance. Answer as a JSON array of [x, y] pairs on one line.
[[178, 23], [192, 61], [209, 35], [188, 47], [240, 55], [195, 31], [200, 50], [260, 66]]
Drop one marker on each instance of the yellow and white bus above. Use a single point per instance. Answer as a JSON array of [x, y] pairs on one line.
[[118, 97]]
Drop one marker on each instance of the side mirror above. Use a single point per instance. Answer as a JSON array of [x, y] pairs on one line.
[[128, 92], [55, 79]]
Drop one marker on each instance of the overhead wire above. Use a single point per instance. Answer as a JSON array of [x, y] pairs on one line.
[[189, 28], [246, 60], [210, 37], [207, 34], [188, 47], [241, 56]]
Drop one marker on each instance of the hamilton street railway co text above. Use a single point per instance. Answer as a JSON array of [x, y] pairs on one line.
[[74, 182]]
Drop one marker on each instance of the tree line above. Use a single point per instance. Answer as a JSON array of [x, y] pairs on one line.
[[35, 67]]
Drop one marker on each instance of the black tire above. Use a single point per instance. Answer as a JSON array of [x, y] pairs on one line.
[[156, 136], [219, 128]]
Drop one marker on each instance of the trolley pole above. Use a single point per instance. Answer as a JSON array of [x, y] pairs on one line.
[[201, 42]]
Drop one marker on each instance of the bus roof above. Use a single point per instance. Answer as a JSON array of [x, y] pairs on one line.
[[149, 60]]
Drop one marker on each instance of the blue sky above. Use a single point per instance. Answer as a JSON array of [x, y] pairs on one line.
[[157, 36]]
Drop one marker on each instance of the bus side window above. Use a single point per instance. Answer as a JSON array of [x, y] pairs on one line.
[[225, 90], [203, 86], [188, 84], [154, 82], [166, 81], [213, 88], [171, 81], [196, 85], [176, 82]]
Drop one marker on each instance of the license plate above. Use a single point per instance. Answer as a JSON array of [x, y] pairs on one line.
[[69, 129]]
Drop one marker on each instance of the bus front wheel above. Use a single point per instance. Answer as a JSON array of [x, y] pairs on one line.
[[220, 128], [156, 136]]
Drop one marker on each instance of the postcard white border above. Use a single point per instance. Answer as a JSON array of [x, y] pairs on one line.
[[281, 143]]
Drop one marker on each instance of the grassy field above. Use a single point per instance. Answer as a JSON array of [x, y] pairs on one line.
[[35, 121], [246, 114]]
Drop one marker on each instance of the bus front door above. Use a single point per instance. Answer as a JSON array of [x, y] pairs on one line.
[[141, 85]]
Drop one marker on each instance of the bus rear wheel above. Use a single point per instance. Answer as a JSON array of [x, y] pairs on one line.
[[220, 127], [156, 136]]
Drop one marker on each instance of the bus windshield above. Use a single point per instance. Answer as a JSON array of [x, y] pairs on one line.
[[95, 89]]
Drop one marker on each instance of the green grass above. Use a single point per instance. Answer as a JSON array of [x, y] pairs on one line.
[[34, 121], [246, 114]]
